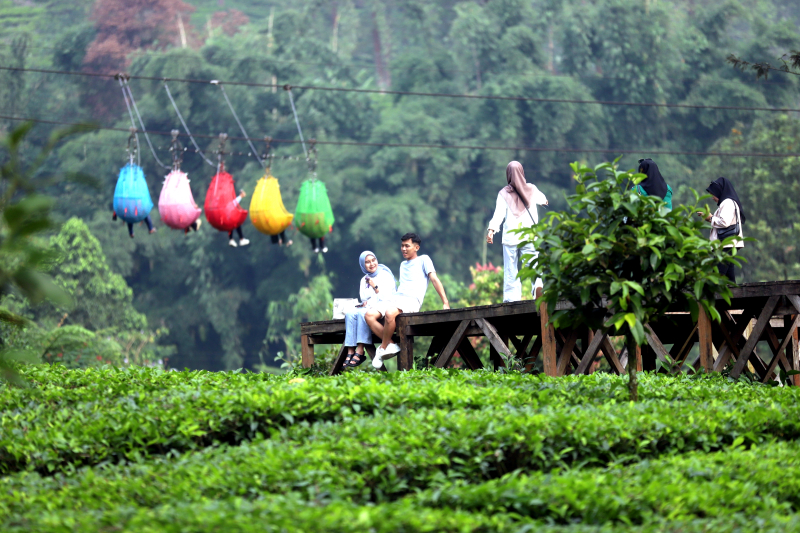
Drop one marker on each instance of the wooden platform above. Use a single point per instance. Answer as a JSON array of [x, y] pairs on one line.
[[767, 312]]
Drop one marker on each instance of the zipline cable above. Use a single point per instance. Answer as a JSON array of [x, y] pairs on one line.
[[144, 130], [440, 146], [434, 95], [186, 128], [133, 123], [288, 89], [239, 122]]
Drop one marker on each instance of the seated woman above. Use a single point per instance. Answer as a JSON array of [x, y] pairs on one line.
[[378, 283]]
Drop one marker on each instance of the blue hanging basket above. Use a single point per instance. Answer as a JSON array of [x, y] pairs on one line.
[[132, 202]]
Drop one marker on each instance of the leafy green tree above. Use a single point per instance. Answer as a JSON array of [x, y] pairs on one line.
[[622, 260]]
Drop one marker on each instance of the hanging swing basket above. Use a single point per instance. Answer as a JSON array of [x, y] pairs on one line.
[[267, 212], [314, 215], [132, 202], [176, 203], [221, 211]]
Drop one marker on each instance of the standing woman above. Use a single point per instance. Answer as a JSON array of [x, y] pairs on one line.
[[515, 209], [653, 184], [727, 220], [378, 283]]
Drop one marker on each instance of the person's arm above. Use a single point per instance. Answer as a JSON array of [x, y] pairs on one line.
[[497, 219], [364, 290], [725, 215], [538, 196], [437, 284]]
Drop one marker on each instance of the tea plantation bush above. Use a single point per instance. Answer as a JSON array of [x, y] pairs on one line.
[[145, 450]]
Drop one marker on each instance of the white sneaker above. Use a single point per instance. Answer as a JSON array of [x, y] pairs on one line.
[[199, 222], [324, 249], [232, 243], [391, 350], [243, 242], [377, 361]]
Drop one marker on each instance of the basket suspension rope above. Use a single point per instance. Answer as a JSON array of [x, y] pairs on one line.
[[288, 89], [176, 149], [185, 127], [239, 122], [126, 86], [133, 129]]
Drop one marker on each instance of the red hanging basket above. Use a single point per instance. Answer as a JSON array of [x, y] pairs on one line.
[[221, 212]]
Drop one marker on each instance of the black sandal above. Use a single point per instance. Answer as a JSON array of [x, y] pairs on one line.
[[347, 360], [357, 362]]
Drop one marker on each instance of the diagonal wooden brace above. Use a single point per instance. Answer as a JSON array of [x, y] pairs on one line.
[[752, 340]]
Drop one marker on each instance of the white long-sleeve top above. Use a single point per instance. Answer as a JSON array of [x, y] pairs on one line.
[[385, 283], [726, 214], [503, 215]]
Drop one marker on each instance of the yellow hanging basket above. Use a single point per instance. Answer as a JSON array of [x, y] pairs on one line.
[[267, 211]]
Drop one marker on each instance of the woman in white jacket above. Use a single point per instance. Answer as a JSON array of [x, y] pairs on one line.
[[515, 209], [729, 214]]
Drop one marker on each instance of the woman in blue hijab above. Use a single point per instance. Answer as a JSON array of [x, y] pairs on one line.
[[378, 282]]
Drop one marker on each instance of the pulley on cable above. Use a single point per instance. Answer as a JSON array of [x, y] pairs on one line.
[[314, 215], [267, 212], [176, 203], [222, 204], [132, 202]]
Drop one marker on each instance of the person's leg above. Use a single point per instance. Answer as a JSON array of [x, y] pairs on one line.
[[231, 242], [363, 331], [322, 245], [372, 317], [130, 229], [351, 329], [239, 232], [512, 287], [149, 223], [242, 240], [726, 269], [528, 249], [389, 325], [274, 238]]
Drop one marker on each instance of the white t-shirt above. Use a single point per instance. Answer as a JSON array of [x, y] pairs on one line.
[[503, 214], [414, 277], [726, 215]]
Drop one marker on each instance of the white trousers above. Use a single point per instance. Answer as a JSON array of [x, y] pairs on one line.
[[512, 286]]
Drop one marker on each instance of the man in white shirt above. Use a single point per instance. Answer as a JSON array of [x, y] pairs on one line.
[[515, 211], [415, 273]]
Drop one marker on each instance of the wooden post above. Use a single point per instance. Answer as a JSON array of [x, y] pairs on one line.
[[548, 342], [306, 351], [706, 344], [794, 356], [405, 360]]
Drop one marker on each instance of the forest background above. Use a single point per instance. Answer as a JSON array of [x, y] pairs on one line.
[[206, 305]]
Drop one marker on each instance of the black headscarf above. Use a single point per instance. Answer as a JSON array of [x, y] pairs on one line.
[[723, 189], [654, 184]]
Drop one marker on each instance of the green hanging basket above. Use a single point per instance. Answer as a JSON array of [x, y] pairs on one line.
[[314, 215]]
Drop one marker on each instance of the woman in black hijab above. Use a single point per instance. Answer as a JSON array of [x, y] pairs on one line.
[[727, 219], [654, 184]]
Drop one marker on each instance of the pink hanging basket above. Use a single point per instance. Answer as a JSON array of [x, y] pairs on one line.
[[176, 204]]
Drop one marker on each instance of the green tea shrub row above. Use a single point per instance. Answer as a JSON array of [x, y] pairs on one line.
[[292, 513], [384, 457]]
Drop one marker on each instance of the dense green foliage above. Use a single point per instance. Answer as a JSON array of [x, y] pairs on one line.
[[145, 450], [214, 301]]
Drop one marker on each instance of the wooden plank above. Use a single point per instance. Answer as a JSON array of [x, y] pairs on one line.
[[611, 355], [533, 354], [705, 340], [794, 300], [589, 353], [750, 345], [655, 343], [405, 359], [338, 363], [493, 337], [778, 350], [452, 344], [680, 351], [793, 355], [731, 346], [469, 355], [306, 352], [566, 353], [548, 337]]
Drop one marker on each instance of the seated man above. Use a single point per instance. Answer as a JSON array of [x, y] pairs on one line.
[[415, 272]]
